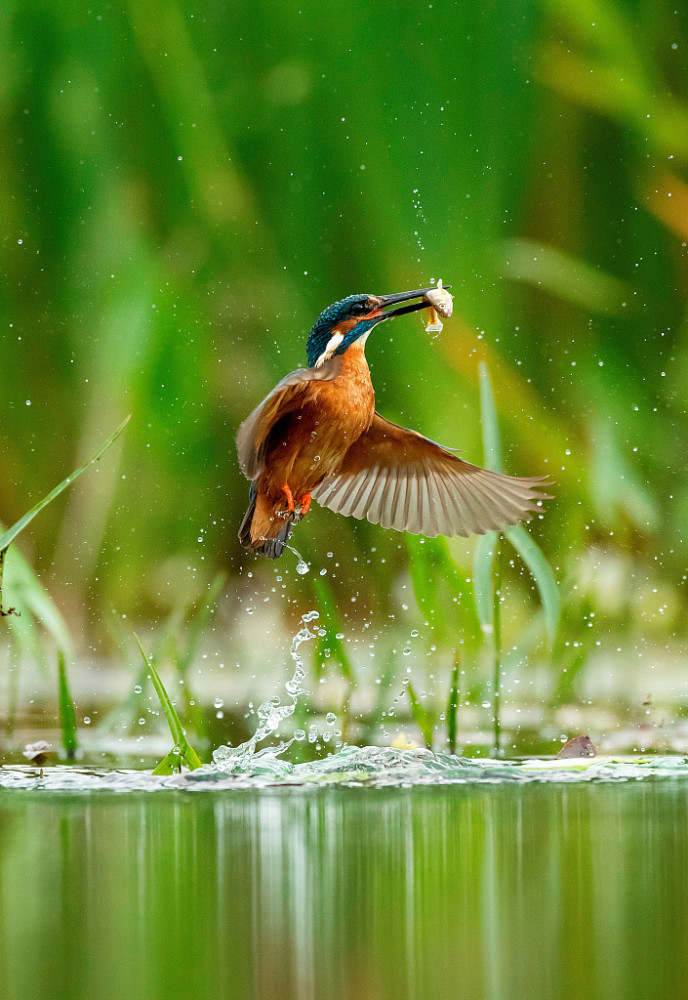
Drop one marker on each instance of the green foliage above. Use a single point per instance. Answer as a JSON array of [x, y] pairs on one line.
[[423, 717], [180, 222], [330, 645], [525, 546], [182, 752], [487, 561], [36, 614], [453, 708], [67, 714], [442, 591], [175, 224], [11, 533]]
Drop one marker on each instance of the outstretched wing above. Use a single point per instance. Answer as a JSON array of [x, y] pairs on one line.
[[287, 396], [402, 480]]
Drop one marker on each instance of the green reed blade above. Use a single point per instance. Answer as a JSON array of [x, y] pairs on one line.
[[67, 712], [529, 551], [19, 525], [492, 445], [171, 762], [186, 751], [483, 587], [198, 621], [541, 572], [332, 624], [422, 717], [34, 605], [453, 707]]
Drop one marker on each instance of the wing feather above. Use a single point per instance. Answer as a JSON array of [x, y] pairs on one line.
[[287, 396], [388, 499], [402, 480]]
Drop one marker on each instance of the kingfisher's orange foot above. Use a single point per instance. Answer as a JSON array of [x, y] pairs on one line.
[[305, 504], [290, 498]]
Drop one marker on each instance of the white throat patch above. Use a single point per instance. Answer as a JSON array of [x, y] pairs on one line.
[[332, 345]]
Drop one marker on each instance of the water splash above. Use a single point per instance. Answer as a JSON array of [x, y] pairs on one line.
[[302, 567], [359, 767], [272, 713]]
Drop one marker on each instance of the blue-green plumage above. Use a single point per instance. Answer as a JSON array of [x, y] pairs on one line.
[[354, 307], [317, 435]]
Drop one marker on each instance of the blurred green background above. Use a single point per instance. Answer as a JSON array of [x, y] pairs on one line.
[[185, 186]]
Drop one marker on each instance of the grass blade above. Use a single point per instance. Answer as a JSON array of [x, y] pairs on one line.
[[19, 525], [171, 762], [483, 588], [332, 625], [453, 707], [445, 604], [541, 572], [33, 605], [492, 444], [421, 716], [181, 746], [67, 713]]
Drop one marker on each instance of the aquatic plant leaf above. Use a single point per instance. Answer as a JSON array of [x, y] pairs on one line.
[[171, 762], [198, 621], [541, 572], [331, 623], [564, 275], [67, 714], [34, 605], [483, 587], [433, 571], [422, 717], [8, 537], [182, 746], [453, 707], [529, 551], [492, 445]]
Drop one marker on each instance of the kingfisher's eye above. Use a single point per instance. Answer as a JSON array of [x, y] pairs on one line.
[[359, 308]]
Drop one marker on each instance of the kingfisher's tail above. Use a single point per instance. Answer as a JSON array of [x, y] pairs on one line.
[[263, 530]]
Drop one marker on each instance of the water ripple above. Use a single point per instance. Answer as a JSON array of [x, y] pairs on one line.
[[360, 767]]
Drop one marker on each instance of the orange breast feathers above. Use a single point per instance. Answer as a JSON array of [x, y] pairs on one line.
[[314, 425]]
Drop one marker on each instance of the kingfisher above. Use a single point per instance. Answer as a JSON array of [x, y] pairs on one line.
[[317, 436]]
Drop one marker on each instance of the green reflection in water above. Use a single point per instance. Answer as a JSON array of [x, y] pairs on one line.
[[496, 891]]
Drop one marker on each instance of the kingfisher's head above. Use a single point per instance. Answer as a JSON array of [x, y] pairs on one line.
[[344, 323]]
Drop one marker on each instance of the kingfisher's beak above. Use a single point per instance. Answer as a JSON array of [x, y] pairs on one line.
[[384, 301]]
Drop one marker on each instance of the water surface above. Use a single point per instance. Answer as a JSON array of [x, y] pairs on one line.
[[518, 889]]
